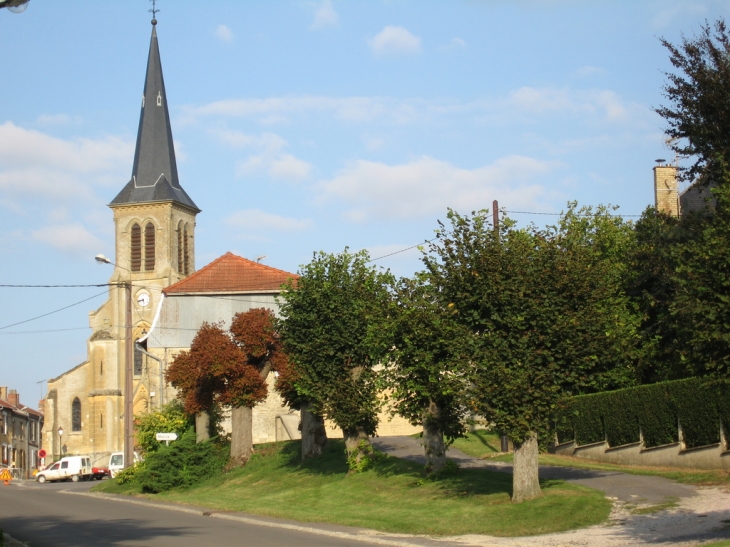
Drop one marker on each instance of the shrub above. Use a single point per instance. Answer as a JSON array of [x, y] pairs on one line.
[[171, 418], [182, 464], [128, 475], [657, 409]]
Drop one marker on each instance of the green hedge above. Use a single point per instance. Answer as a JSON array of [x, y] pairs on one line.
[[616, 416]]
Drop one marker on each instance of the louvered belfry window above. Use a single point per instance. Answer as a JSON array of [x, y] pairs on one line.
[[136, 248], [149, 247], [180, 248], [186, 257]]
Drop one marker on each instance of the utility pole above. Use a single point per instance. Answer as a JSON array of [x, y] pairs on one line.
[[504, 440], [495, 216], [129, 359]]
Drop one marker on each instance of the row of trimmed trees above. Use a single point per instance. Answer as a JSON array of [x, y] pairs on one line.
[[503, 322]]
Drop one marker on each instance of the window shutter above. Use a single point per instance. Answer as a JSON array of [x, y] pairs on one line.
[[149, 247], [136, 248]]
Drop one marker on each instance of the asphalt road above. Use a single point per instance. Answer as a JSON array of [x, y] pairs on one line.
[[621, 486], [63, 515]]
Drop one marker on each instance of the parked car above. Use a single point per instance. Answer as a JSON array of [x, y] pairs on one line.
[[98, 473], [75, 468], [116, 462]]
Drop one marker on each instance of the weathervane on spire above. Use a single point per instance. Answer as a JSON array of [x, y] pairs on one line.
[[154, 11]]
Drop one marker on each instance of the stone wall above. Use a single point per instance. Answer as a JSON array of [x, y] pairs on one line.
[[715, 456]]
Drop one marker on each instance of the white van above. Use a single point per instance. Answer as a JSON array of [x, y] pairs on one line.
[[75, 468], [116, 462]]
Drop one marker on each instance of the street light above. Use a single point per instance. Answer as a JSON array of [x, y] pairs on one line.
[[16, 6], [129, 357], [60, 441]]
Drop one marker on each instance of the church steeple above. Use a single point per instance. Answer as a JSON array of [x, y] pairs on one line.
[[154, 173]]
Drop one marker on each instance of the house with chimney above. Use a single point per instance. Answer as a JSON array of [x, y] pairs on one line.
[[20, 435]]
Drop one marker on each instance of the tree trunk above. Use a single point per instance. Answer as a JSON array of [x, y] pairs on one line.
[[357, 446], [202, 427], [525, 482], [314, 435], [241, 435], [433, 440]]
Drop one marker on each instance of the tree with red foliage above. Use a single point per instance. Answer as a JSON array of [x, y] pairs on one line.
[[229, 369], [254, 334]]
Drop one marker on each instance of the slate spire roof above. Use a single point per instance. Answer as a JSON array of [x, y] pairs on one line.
[[232, 274], [154, 173]]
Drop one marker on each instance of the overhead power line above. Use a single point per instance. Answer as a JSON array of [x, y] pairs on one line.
[[57, 286], [52, 312]]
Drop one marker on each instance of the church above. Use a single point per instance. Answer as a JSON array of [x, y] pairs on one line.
[[154, 222]]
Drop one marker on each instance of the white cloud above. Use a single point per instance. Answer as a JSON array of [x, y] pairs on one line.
[[257, 220], [373, 143], [325, 16], [46, 168], [280, 109], [601, 105], [588, 70], [671, 11], [605, 104], [224, 34], [57, 119], [288, 167], [395, 41], [270, 157], [428, 186], [71, 239], [455, 43]]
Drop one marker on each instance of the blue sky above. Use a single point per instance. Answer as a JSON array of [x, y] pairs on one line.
[[313, 125]]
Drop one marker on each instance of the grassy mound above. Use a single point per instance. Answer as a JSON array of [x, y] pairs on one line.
[[392, 496]]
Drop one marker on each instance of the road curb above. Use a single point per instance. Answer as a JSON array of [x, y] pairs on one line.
[[367, 536], [12, 542]]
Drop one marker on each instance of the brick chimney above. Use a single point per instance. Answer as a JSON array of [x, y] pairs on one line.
[[14, 398], [666, 196], [4, 393]]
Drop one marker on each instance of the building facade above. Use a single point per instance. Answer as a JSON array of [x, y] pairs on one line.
[[214, 294], [20, 435]]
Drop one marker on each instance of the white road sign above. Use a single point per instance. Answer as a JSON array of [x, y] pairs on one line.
[[166, 436]]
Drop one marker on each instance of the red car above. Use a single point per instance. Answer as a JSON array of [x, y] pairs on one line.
[[98, 473]]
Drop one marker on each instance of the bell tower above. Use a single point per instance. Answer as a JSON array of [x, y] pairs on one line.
[[154, 216]]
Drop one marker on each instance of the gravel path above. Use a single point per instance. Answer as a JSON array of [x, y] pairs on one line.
[[702, 514]]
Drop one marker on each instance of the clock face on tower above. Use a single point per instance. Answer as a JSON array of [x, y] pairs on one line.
[[143, 299]]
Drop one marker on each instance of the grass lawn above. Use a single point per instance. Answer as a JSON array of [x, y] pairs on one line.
[[687, 476], [393, 496], [481, 444], [478, 444], [725, 543]]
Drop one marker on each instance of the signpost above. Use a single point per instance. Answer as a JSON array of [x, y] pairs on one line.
[[167, 437], [6, 476]]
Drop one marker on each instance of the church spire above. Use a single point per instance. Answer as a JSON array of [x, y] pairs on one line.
[[154, 172]]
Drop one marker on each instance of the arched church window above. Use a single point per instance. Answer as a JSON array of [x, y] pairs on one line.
[[76, 415], [138, 357], [136, 248], [186, 256], [149, 247]]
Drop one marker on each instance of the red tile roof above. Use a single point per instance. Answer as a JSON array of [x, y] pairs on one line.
[[22, 408], [230, 274]]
